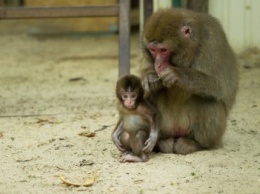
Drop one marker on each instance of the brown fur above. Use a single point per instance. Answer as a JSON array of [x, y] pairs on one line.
[[198, 90], [136, 132]]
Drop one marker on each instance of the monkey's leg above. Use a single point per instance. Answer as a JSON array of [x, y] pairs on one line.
[[166, 145], [206, 135], [137, 143], [133, 158], [185, 145], [207, 132], [125, 153], [125, 141], [182, 145]]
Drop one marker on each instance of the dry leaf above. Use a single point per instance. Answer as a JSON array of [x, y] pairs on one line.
[[88, 181], [87, 134], [138, 181], [86, 163], [74, 79], [47, 121], [42, 121]]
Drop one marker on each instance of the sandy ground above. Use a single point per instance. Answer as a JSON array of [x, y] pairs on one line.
[[54, 88]]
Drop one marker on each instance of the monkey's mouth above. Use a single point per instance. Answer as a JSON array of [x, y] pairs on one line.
[[132, 107], [160, 66]]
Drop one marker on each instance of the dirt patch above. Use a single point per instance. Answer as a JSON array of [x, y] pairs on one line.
[[52, 89]]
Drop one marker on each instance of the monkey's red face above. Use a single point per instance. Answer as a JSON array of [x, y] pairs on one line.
[[161, 54], [171, 39], [129, 99]]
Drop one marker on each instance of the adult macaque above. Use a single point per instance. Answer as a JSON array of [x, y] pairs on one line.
[[136, 132], [198, 74]]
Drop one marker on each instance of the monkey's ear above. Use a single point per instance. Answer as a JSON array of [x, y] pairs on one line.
[[186, 30]]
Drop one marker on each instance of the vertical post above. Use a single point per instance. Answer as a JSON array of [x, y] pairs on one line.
[[148, 9], [198, 5], [124, 37]]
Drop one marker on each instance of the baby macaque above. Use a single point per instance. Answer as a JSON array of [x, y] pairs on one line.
[[137, 131]]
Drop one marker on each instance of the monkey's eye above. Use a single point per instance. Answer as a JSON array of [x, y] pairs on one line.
[[124, 96], [133, 96], [162, 50]]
